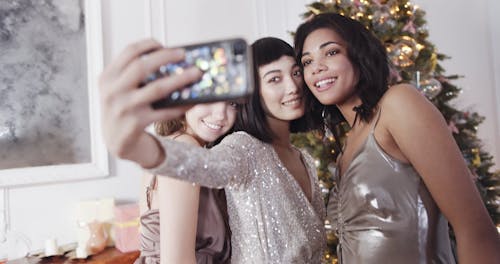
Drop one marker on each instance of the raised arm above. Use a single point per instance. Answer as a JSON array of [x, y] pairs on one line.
[[178, 208], [422, 135], [126, 108], [225, 165]]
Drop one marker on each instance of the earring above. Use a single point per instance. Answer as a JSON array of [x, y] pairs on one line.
[[327, 133]]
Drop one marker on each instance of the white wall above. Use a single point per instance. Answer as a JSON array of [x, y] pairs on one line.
[[470, 34], [47, 211], [494, 24], [467, 32]]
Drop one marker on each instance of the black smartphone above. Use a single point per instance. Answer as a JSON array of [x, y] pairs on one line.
[[227, 73]]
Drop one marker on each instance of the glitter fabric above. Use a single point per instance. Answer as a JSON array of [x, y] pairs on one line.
[[270, 217]]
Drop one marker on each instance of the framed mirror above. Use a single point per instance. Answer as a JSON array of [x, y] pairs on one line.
[[51, 55]]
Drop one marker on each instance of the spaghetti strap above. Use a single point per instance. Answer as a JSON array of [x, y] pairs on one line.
[[377, 117], [149, 191]]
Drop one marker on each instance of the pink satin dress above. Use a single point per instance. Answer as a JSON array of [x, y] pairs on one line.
[[213, 236]]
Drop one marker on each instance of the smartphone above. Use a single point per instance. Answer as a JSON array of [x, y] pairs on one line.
[[227, 73]]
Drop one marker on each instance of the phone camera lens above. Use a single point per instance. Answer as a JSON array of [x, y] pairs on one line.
[[239, 47]]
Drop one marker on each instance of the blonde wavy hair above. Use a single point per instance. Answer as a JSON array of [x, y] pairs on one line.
[[165, 128]]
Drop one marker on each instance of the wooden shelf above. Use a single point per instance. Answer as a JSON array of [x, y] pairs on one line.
[[110, 255]]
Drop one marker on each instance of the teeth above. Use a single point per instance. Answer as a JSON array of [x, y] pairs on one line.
[[293, 101], [212, 126], [323, 82]]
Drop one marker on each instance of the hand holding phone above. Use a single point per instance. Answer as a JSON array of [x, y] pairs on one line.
[[227, 73]]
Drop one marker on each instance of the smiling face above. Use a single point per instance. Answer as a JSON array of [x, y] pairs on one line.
[[281, 89], [208, 122], [328, 72]]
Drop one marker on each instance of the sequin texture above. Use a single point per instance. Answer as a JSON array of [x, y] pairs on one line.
[[270, 217]]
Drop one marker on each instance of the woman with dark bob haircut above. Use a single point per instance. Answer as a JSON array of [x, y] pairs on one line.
[[276, 211], [400, 175], [252, 116]]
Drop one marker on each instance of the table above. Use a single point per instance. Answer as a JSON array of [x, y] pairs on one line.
[[110, 255]]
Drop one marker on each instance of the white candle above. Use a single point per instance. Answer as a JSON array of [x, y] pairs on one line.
[[81, 252], [51, 248]]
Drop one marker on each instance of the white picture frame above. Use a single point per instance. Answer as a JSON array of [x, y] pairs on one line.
[[98, 166]]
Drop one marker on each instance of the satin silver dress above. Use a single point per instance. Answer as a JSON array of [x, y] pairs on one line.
[[270, 217], [383, 213]]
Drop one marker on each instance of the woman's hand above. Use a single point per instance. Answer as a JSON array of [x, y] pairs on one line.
[[126, 108]]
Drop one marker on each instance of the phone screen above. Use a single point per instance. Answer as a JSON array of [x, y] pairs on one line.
[[227, 73]]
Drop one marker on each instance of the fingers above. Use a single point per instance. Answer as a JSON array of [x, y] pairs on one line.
[[131, 52], [126, 109], [162, 87], [140, 67]]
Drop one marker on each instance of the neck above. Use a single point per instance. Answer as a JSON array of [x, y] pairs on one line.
[[281, 131], [282, 144], [346, 109], [200, 141]]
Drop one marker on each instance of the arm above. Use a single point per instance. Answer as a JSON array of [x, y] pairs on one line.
[[178, 208], [421, 134], [126, 109], [225, 165]]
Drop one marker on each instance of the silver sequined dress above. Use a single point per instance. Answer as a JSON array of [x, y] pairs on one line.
[[270, 217]]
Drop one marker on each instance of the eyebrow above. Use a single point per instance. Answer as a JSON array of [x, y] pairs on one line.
[[270, 72], [322, 46], [277, 71]]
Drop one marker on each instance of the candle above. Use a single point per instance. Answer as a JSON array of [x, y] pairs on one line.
[[51, 247], [81, 252]]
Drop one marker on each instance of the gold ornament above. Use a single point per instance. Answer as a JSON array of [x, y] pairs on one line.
[[476, 160], [382, 20], [403, 52], [433, 61], [397, 58], [315, 11]]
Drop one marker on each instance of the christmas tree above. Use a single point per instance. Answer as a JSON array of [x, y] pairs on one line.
[[401, 27]]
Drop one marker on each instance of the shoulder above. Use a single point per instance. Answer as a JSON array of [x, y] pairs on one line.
[[186, 138], [241, 138], [405, 110], [402, 101], [400, 95]]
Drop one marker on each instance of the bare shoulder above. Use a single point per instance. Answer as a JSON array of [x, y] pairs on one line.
[[401, 95], [186, 138], [404, 102]]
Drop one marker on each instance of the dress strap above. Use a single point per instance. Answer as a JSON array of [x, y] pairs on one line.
[[149, 191], [377, 117]]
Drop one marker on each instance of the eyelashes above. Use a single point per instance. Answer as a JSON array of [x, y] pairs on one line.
[[328, 53]]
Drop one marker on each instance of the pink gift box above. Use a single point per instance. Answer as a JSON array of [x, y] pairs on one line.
[[126, 227]]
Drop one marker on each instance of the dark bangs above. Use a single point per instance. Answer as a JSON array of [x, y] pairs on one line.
[[251, 117]]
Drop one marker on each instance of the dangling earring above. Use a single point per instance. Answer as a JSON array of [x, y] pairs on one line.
[[328, 135]]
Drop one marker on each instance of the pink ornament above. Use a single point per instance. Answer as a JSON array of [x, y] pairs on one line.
[[453, 128], [442, 79], [410, 27], [473, 175], [394, 75]]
